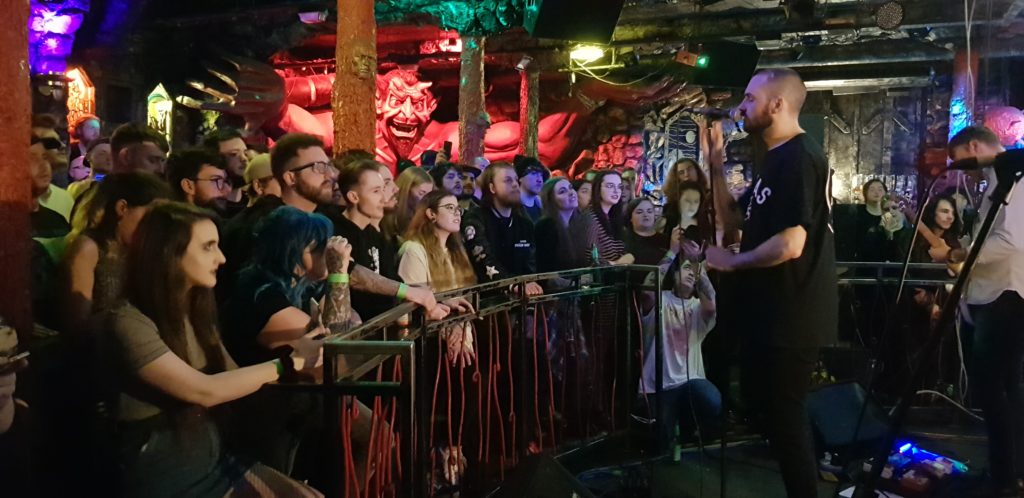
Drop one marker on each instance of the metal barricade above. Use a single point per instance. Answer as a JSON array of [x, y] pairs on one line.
[[551, 372]]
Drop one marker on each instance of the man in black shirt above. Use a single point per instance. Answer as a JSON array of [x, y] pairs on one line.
[[498, 238], [785, 270], [532, 175], [366, 196]]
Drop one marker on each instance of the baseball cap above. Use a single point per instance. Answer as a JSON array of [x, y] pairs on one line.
[[258, 168]]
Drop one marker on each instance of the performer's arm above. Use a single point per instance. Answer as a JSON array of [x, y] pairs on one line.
[[728, 211], [783, 246]]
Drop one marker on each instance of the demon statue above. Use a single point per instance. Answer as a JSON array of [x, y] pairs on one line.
[[277, 105]]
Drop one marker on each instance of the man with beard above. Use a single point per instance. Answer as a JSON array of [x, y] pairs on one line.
[[994, 296], [785, 269], [228, 142], [306, 177], [46, 223], [366, 197], [532, 175], [135, 147], [498, 237], [197, 176]]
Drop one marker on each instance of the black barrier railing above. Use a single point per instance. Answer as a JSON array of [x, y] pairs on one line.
[[412, 415]]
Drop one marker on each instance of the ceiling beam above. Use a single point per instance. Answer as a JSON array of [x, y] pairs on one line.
[[871, 52]]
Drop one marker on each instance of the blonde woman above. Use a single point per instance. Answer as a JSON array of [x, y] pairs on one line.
[[413, 184]]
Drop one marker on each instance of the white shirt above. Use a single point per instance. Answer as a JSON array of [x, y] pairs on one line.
[[683, 329], [1000, 266]]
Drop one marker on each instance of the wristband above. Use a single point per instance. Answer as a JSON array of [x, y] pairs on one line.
[[280, 368], [337, 278], [402, 290], [670, 255]]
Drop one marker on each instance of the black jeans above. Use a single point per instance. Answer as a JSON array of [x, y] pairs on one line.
[[998, 358], [775, 382]]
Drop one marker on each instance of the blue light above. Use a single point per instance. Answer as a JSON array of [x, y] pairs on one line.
[[957, 107], [906, 447]]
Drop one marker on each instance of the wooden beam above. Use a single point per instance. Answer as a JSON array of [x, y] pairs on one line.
[[15, 194], [355, 83]]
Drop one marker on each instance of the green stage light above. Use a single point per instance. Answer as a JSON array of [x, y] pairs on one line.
[[703, 61]]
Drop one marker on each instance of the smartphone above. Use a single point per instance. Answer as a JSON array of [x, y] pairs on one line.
[[448, 149], [98, 176]]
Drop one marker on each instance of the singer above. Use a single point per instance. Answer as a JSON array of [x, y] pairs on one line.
[[785, 269], [997, 310]]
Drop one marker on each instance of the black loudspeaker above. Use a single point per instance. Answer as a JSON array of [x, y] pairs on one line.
[[541, 477], [577, 20], [729, 64], [834, 410]]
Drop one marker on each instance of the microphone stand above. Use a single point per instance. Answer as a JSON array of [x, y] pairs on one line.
[[1009, 168]]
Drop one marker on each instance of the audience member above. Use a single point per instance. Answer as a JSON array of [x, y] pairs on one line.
[[687, 398], [584, 192], [470, 187], [15, 438], [447, 178], [413, 184], [532, 175], [606, 221], [942, 221], [293, 254], [197, 177], [137, 147], [498, 237], [46, 222], [99, 163], [44, 128], [628, 185], [93, 264], [561, 234], [229, 143], [647, 245], [363, 187], [78, 170], [876, 224], [83, 132], [259, 179], [165, 366]]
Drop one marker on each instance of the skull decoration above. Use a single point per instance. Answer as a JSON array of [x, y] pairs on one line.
[[404, 105]]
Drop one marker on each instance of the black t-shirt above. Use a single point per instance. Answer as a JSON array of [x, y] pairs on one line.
[[370, 248], [648, 250], [533, 212], [254, 299], [47, 224], [793, 304]]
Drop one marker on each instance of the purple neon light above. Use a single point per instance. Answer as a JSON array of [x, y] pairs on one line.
[[51, 33]]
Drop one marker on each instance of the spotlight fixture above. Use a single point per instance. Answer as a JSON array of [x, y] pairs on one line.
[[585, 54], [890, 15]]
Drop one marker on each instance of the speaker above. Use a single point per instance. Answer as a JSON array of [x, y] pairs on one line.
[[729, 64], [577, 20], [540, 476], [834, 410]]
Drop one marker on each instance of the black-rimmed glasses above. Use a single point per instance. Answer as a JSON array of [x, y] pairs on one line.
[[319, 167], [453, 208], [218, 181]]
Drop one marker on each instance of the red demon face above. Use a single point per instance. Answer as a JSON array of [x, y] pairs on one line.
[[404, 105]]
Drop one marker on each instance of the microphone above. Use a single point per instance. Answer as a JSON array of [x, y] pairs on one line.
[[976, 163], [714, 113]]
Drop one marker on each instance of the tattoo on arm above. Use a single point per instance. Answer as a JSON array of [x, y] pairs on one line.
[[338, 308], [368, 281]]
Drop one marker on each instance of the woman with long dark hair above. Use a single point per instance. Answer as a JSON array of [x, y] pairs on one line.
[[92, 267], [643, 241], [561, 233], [165, 367], [605, 214], [413, 184]]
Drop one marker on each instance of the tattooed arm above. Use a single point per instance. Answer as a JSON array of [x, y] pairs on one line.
[[368, 281], [338, 313]]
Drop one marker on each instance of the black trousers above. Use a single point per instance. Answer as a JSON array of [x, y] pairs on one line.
[[775, 382], [998, 358]]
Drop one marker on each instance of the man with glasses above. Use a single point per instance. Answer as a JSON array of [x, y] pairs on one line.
[[198, 178], [228, 142], [498, 237]]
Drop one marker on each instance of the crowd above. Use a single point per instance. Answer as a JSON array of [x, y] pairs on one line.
[[181, 283]]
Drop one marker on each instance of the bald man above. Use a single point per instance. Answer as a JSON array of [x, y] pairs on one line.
[[786, 292]]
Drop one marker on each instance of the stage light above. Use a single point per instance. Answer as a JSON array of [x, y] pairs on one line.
[[585, 54], [703, 61], [890, 15]]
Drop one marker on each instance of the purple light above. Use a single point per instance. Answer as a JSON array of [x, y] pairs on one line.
[[51, 35]]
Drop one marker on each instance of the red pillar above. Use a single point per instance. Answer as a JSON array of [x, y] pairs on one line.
[[355, 83], [15, 197]]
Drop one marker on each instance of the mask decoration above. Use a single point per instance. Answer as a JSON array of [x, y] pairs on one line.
[[404, 105]]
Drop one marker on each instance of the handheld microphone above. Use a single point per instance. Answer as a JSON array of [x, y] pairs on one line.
[[976, 163], [714, 113]]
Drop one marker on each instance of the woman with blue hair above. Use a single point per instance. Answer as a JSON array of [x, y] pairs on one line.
[[293, 254]]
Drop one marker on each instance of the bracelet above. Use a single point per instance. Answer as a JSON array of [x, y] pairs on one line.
[[337, 278], [402, 291], [280, 368]]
